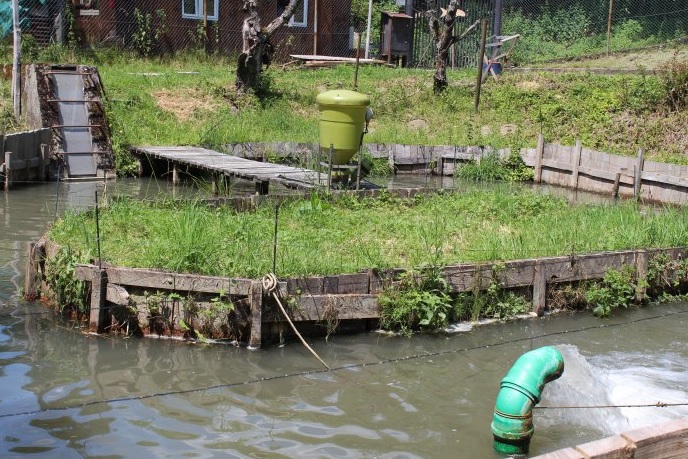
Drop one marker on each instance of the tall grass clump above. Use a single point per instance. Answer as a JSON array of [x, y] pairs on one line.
[[322, 235], [493, 167], [675, 82]]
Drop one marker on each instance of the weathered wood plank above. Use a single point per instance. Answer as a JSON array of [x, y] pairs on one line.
[[665, 179], [117, 294], [160, 280], [568, 453], [667, 440], [615, 447], [327, 307], [662, 441]]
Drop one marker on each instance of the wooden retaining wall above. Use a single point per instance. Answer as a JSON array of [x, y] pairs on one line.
[[24, 157], [668, 440], [581, 168], [432, 159], [575, 167], [124, 295]]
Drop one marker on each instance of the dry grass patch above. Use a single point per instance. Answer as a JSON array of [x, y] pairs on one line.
[[184, 103]]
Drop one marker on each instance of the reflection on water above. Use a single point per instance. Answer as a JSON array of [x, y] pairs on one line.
[[68, 395]]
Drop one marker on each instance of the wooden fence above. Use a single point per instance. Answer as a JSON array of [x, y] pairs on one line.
[[668, 440], [25, 157], [581, 168], [573, 167], [431, 159]]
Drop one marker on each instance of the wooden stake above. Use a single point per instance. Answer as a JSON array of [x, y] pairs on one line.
[[641, 275], [483, 40], [638, 173], [8, 170], [539, 289], [98, 318], [539, 151], [577, 150], [615, 189], [256, 299]]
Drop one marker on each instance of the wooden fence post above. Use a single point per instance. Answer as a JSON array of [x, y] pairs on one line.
[[256, 304], [638, 174], [175, 174], [615, 189], [45, 161], [539, 151], [539, 288], [98, 318], [8, 170], [577, 150], [641, 275]]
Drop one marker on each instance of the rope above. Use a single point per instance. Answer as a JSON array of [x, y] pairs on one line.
[[347, 367], [270, 286], [585, 407]]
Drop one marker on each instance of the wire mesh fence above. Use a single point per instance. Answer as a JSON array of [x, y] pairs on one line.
[[548, 30]]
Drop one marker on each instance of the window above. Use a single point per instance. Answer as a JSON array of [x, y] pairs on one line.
[[193, 9], [300, 17]]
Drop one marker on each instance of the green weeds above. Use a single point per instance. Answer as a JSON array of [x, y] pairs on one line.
[[418, 299], [492, 167], [70, 292]]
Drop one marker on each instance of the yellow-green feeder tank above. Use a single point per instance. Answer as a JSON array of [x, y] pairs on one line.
[[343, 116]]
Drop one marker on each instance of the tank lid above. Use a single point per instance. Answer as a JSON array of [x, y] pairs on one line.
[[342, 97]]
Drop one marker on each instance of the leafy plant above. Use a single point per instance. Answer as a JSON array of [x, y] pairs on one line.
[[616, 290], [420, 299], [70, 292], [142, 38]]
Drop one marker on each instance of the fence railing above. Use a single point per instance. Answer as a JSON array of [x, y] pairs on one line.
[[550, 30]]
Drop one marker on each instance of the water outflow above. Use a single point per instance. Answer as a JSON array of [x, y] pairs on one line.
[[520, 390]]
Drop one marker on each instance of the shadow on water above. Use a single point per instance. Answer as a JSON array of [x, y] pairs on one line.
[[73, 396]]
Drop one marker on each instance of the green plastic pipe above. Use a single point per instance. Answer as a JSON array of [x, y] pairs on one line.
[[520, 391]]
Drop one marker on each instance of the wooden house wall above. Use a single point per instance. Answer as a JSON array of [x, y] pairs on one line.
[[116, 18]]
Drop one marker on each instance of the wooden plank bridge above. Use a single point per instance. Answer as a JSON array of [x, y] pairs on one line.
[[175, 160]]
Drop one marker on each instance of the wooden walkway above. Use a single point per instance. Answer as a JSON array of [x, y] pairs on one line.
[[188, 159]]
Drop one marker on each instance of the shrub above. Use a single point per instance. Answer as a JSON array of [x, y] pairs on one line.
[[675, 82]]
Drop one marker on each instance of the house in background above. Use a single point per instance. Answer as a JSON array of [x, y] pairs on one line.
[[317, 27]]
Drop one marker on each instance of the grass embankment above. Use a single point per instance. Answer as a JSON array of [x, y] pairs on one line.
[[327, 236], [191, 100], [616, 114]]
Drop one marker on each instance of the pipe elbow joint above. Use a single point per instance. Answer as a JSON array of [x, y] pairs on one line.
[[520, 390]]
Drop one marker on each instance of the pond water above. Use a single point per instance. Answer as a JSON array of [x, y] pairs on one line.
[[66, 395]]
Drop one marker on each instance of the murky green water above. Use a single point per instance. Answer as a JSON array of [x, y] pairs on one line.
[[66, 395]]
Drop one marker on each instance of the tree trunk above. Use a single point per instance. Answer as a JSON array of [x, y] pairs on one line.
[[442, 31], [257, 47]]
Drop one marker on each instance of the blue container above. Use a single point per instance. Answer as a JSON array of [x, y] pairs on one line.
[[496, 66]]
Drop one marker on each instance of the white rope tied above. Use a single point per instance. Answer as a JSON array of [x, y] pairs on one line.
[[270, 285]]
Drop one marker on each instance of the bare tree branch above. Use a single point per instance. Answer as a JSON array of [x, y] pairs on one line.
[[257, 47], [282, 18]]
